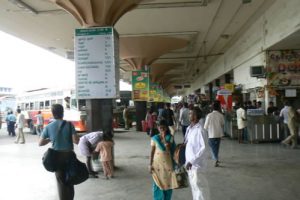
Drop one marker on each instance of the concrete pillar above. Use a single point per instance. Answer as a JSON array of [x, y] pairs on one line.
[[153, 105], [210, 89], [267, 100], [98, 13], [99, 114], [141, 110], [227, 78]]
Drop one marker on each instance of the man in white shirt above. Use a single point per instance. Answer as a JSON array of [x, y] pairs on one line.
[[126, 117], [196, 155], [214, 124], [20, 124], [87, 145], [241, 123], [284, 115], [184, 118], [293, 128]]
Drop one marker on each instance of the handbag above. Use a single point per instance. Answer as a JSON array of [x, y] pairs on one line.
[[76, 172], [181, 177], [49, 160], [50, 156], [179, 154]]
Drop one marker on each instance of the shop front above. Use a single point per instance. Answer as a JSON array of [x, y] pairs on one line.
[[283, 77]]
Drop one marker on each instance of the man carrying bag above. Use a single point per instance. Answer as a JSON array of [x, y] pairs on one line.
[[62, 135], [196, 155]]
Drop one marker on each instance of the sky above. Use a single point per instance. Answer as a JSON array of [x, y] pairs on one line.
[[24, 66]]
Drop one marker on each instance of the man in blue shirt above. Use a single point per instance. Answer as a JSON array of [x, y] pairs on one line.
[[62, 135], [11, 121]]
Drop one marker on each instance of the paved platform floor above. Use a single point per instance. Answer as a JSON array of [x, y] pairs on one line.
[[247, 172]]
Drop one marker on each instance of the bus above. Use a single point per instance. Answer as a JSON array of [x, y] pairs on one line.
[[31, 102]]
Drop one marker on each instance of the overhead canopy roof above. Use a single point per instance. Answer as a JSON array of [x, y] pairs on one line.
[[209, 29]]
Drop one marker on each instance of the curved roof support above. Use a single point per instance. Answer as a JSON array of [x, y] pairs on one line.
[[141, 51], [91, 13]]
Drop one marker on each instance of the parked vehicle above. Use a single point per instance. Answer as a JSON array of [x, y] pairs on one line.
[[33, 101]]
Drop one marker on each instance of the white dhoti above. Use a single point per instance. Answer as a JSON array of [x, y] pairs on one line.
[[199, 185]]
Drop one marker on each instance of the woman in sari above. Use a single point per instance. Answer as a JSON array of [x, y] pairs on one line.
[[162, 164]]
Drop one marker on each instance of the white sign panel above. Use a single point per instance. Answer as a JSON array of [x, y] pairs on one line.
[[290, 92], [97, 63]]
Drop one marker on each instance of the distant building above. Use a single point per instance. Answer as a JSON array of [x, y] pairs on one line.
[[7, 101]]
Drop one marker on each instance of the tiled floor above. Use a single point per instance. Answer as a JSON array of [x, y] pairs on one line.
[[247, 172]]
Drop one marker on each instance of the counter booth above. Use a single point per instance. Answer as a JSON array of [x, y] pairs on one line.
[[260, 128]]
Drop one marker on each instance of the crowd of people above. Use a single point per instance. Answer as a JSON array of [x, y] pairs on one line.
[[288, 116], [17, 122], [62, 135], [201, 131]]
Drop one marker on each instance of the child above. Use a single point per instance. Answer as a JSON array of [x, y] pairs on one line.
[[105, 150]]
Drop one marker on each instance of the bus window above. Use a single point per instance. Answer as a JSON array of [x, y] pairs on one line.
[[22, 106], [47, 104], [31, 105], [67, 101], [41, 105], [27, 106], [53, 102], [74, 103], [60, 101], [82, 104], [36, 105]]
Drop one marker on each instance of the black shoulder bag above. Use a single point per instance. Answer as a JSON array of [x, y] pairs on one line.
[[77, 171], [50, 156]]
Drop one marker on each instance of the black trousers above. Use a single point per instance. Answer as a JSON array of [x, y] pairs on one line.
[[183, 128], [65, 190], [11, 128]]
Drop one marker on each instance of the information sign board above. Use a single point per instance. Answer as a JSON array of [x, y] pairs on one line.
[[97, 63]]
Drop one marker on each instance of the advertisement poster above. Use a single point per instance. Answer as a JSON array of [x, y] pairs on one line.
[[140, 85], [283, 68], [153, 88], [97, 63], [159, 94], [229, 87], [225, 98], [167, 99]]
